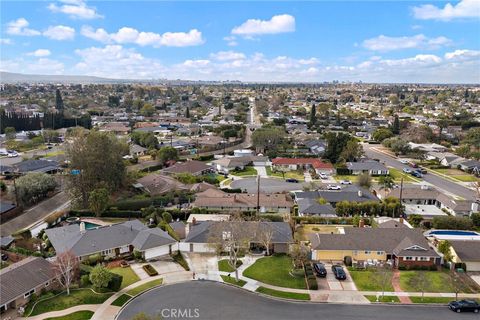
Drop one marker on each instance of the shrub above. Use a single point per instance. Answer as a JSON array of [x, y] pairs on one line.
[[116, 282], [100, 277], [348, 261], [150, 270], [312, 284], [84, 280], [94, 259], [167, 217], [178, 258], [137, 255]]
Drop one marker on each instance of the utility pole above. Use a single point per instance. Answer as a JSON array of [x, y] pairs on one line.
[[258, 195], [401, 193]]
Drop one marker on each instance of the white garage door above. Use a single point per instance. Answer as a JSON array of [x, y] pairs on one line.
[[473, 266], [157, 252]]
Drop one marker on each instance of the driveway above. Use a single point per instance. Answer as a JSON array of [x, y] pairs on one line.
[[335, 284], [267, 185], [205, 265], [261, 171]]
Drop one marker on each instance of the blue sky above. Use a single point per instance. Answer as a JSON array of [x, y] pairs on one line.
[[372, 41]]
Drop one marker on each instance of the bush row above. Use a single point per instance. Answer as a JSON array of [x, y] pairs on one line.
[[323, 220], [150, 270], [310, 277], [414, 267]]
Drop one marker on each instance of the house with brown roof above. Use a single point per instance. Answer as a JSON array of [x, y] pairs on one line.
[[402, 247], [289, 164], [466, 251], [193, 167], [19, 281], [217, 200]]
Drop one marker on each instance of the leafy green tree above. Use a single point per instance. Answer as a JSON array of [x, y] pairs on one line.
[[415, 220], [269, 138], [472, 138], [50, 135], [100, 276], [10, 133], [167, 217], [147, 110], [313, 115], [336, 142], [365, 180], [382, 133], [98, 200], [386, 182], [475, 219], [352, 150], [166, 154], [396, 125], [58, 101], [452, 223], [187, 112], [444, 248], [98, 158], [34, 186]]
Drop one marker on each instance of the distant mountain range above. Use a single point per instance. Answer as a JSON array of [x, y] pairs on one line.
[[9, 77]]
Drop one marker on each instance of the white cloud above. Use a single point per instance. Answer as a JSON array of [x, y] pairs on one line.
[[19, 27], [463, 55], [75, 9], [463, 9], [40, 53], [6, 41], [39, 66], [419, 41], [131, 35], [277, 24], [59, 33], [231, 41], [227, 55]]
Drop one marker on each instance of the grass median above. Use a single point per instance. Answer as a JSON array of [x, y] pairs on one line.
[[284, 294]]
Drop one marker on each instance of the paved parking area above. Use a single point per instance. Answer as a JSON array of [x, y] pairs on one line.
[[335, 284]]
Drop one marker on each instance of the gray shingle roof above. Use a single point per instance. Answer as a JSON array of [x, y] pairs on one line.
[[199, 233], [36, 166], [312, 207], [466, 250], [349, 193], [21, 277], [108, 237]]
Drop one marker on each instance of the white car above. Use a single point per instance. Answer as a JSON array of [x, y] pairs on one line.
[[404, 161], [323, 176], [345, 182], [12, 154], [334, 187]]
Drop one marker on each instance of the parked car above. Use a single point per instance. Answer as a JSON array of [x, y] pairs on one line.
[[413, 165], [423, 171], [404, 161], [323, 176], [334, 187], [464, 305], [4, 257], [416, 174], [407, 170], [12, 154], [339, 272], [345, 182], [292, 180], [320, 269]]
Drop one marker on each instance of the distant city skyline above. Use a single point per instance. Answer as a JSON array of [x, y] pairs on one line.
[[417, 42]]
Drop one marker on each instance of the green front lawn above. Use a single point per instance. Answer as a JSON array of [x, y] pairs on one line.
[[436, 281], [133, 292], [78, 315], [383, 299], [288, 175], [62, 301], [365, 280], [398, 174], [275, 270], [234, 281], [352, 178], [442, 300], [224, 266], [248, 171], [283, 294], [129, 276], [120, 301]]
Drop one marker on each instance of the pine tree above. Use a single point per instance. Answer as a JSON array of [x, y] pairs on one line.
[[313, 115], [187, 113], [396, 125], [58, 101]]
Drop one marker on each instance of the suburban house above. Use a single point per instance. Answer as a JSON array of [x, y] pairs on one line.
[[112, 240], [372, 167], [44, 166], [289, 164], [227, 164], [311, 207], [466, 251], [199, 237], [218, 200], [470, 166], [401, 246], [193, 167], [24, 278], [316, 147], [349, 193], [427, 195], [137, 151], [157, 184]]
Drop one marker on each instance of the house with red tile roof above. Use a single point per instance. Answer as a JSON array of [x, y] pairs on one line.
[[290, 164]]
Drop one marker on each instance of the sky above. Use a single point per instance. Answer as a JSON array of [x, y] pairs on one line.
[[370, 41]]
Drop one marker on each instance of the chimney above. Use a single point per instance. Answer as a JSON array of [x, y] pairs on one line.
[[82, 227], [361, 223], [400, 220], [360, 194]]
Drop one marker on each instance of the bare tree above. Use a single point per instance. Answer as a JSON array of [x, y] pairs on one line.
[[455, 282], [420, 282], [230, 236], [66, 268], [299, 254], [265, 235], [383, 277]]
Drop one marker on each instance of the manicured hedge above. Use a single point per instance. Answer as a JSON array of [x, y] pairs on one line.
[[107, 213], [150, 270], [116, 282], [310, 277]]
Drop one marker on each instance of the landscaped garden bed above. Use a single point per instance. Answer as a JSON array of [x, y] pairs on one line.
[[150, 270]]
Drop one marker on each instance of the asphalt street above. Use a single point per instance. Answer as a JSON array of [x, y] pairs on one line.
[[435, 180], [212, 301], [5, 161]]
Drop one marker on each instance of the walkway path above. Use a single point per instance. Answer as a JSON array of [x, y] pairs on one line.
[[83, 307], [396, 287]]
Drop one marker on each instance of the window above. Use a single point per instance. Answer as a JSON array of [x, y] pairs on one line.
[[47, 283], [368, 252], [424, 258], [409, 258], [106, 252], [29, 293], [379, 253]]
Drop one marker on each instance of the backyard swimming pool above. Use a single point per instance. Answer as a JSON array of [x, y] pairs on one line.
[[454, 233]]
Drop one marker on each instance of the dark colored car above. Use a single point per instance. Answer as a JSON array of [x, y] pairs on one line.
[[423, 171], [4, 257], [464, 306], [292, 180], [339, 272], [320, 269], [417, 174]]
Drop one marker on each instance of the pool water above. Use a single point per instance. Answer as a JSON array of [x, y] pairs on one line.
[[89, 225], [455, 233]]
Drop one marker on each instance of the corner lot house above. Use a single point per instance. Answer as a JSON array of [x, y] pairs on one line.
[[401, 246], [22, 279], [198, 238], [467, 252], [112, 240]]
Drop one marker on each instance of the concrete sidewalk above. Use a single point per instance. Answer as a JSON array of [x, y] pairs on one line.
[[60, 313]]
